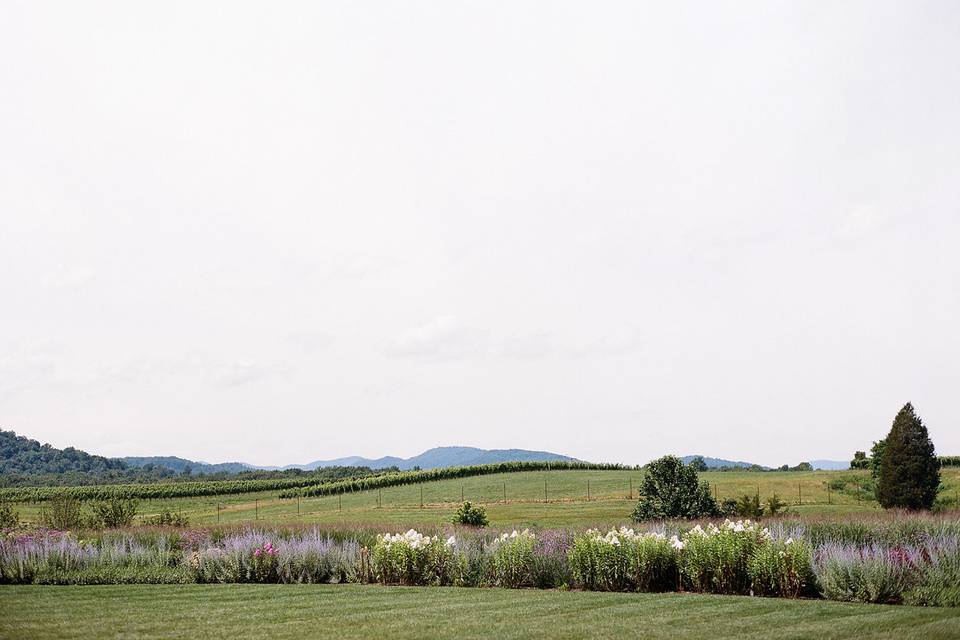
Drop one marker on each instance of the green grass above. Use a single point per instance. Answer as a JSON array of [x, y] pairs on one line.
[[397, 613], [566, 499]]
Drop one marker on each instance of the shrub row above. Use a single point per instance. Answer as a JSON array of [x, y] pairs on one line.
[[735, 558]]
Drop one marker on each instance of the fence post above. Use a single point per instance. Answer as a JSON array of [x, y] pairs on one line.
[[461, 493], [340, 501], [504, 491], [379, 498], [218, 513], [544, 489], [799, 493], [421, 496], [631, 488], [298, 505], [588, 490], [257, 509]]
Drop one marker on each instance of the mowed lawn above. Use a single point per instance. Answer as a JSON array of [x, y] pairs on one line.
[[572, 498], [398, 613]]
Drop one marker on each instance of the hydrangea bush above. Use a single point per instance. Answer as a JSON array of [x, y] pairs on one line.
[[623, 560], [413, 558]]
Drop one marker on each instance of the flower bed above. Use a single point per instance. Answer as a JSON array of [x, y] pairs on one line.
[[740, 557]]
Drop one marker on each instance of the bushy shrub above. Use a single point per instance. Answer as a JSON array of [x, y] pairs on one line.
[[62, 514], [775, 505], [716, 559], [513, 561], [413, 559], [622, 560], [471, 516], [781, 568], [671, 489], [865, 573], [749, 506], [114, 512], [9, 519]]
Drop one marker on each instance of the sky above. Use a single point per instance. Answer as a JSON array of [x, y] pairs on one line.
[[282, 232]]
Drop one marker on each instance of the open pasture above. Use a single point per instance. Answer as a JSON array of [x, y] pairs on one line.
[[535, 498]]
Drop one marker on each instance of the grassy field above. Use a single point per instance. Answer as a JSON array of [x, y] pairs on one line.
[[518, 499], [351, 611]]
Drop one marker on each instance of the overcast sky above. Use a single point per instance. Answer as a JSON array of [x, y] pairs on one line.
[[277, 232]]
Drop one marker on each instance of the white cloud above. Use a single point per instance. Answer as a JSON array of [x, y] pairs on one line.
[[68, 277], [614, 343], [443, 338]]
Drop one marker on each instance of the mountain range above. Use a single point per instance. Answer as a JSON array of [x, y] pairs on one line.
[[431, 459]]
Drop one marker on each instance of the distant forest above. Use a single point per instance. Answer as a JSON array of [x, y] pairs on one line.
[[27, 463]]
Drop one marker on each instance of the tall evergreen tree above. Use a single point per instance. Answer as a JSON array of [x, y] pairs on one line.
[[909, 470]]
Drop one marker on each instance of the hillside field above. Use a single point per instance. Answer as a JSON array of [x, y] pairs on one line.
[[399, 613], [519, 499]]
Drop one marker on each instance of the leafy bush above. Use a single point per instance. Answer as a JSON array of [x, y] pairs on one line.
[[749, 506], [413, 559], [671, 489], [775, 505], [716, 559], [781, 568], [115, 512], [62, 514], [622, 560], [471, 516], [513, 560], [9, 519]]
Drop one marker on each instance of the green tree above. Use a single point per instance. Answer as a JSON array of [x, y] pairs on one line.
[[876, 456], [910, 471], [698, 463], [671, 489], [860, 460]]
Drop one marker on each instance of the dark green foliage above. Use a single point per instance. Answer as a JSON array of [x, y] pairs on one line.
[[876, 456], [671, 489], [698, 464], [910, 471], [729, 507], [749, 506], [115, 512], [471, 516], [860, 460], [186, 489], [22, 455], [62, 514], [9, 519], [775, 505], [950, 461]]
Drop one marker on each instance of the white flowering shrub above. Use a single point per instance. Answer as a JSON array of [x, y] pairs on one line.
[[412, 558], [782, 568], [513, 561], [715, 559], [623, 560]]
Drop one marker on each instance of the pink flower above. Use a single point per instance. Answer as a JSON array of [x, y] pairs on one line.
[[256, 552]]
